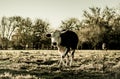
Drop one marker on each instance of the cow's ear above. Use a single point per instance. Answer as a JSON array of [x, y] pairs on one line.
[[48, 35]]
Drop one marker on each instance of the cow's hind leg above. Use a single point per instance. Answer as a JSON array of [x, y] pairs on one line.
[[67, 59], [72, 56]]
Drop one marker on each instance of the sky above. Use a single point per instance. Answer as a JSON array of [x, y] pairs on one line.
[[52, 11]]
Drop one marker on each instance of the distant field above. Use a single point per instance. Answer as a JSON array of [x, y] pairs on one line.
[[43, 64]]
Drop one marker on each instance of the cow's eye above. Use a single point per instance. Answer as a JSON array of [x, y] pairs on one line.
[[48, 35]]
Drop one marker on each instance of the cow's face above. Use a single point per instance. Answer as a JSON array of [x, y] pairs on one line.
[[55, 38]]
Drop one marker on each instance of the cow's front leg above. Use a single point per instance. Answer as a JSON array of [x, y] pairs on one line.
[[62, 62], [61, 50], [64, 54]]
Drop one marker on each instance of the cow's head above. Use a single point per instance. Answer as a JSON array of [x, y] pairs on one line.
[[55, 38]]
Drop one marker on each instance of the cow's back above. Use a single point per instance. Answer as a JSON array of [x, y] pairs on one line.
[[69, 39]]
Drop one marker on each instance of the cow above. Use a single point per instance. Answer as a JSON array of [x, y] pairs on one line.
[[66, 41]]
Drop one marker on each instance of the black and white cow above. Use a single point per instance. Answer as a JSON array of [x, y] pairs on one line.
[[66, 42]]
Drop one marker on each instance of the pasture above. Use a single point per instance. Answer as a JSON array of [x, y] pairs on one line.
[[43, 64]]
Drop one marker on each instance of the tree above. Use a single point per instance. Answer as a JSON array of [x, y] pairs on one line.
[[40, 29], [102, 25], [3, 24], [99, 23], [26, 31], [70, 24], [8, 25], [92, 29]]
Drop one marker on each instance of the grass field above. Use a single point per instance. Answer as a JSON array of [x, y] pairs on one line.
[[43, 64]]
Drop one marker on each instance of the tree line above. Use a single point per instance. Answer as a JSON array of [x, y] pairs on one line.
[[97, 27], [21, 33]]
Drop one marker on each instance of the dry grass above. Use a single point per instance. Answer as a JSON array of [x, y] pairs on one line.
[[43, 64]]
